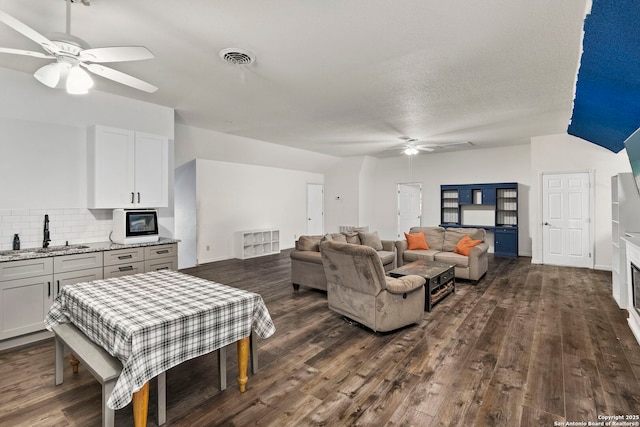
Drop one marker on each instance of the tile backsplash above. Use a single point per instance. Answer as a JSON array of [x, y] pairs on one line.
[[65, 225]]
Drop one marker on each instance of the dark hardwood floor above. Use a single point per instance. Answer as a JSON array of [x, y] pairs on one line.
[[530, 345]]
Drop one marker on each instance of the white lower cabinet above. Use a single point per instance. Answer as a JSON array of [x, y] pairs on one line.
[[26, 293], [60, 280], [123, 262], [28, 287], [161, 257]]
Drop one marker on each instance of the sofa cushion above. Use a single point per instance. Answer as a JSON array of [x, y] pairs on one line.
[[452, 258], [352, 237], [339, 237], [387, 257], [307, 256], [416, 254], [433, 235], [451, 238], [465, 244], [404, 284], [370, 239], [416, 241], [309, 243]]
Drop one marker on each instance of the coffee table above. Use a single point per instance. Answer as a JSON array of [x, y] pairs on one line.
[[440, 279]]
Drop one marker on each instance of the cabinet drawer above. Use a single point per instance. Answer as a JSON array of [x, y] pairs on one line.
[[446, 276], [161, 264], [160, 251], [13, 270], [123, 256], [123, 269], [63, 264]]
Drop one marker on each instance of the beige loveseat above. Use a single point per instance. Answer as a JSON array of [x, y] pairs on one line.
[[442, 243], [306, 262]]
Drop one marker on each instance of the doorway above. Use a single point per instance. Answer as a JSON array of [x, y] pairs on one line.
[[566, 219], [409, 206], [315, 209]]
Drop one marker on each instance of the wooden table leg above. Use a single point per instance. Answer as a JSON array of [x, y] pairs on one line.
[[74, 363], [243, 361], [141, 406]]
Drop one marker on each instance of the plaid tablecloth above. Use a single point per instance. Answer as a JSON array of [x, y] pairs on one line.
[[154, 321]]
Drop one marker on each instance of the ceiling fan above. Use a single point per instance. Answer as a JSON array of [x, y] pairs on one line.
[[72, 54], [410, 148]]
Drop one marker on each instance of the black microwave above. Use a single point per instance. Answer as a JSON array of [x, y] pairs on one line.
[[135, 226]]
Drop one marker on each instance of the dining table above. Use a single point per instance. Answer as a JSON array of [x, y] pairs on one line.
[[154, 321]]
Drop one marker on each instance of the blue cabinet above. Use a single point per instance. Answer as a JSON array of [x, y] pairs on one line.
[[505, 241], [501, 198]]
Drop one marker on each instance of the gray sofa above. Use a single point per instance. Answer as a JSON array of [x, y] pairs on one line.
[[306, 262], [442, 243]]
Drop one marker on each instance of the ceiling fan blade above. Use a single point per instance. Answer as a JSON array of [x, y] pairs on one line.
[[424, 148], [27, 31], [25, 52], [116, 54], [120, 77]]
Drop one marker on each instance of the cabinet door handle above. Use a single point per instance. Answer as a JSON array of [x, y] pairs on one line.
[[132, 199], [58, 293], [138, 197], [49, 286], [125, 256], [165, 251], [127, 268]]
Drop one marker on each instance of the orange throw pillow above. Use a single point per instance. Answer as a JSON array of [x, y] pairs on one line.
[[416, 241], [465, 244]]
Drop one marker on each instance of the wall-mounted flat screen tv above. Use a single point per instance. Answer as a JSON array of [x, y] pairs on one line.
[[632, 144]]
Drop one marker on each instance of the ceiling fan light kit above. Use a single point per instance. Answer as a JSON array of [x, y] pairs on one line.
[[410, 151], [71, 53]]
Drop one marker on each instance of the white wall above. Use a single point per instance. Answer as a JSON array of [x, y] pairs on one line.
[[342, 194], [242, 184], [185, 214], [380, 178], [195, 143], [43, 158], [566, 153], [233, 197]]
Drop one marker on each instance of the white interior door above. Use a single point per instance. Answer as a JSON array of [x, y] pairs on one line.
[[409, 206], [566, 237], [315, 209]]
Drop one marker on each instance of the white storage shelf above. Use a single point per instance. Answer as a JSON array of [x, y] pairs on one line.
[[254, 243]]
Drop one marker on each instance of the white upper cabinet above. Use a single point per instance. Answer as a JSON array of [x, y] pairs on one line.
[[127, 169]]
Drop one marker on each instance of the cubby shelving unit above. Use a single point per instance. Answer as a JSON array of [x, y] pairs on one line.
[[254, 243]]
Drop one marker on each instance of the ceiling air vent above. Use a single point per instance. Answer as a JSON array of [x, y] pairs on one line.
[[237, 56]]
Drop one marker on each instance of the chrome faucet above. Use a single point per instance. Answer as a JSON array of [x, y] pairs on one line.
[[46, 239]]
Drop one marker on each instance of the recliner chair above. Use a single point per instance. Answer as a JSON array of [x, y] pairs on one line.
[[358, 288]]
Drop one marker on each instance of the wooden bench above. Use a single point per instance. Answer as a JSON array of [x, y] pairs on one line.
[[104, 367]]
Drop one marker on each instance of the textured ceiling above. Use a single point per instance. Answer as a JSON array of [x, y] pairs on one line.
[[339, 77], [607, 102]]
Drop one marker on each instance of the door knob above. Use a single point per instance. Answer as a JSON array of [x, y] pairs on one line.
[[546, 223]]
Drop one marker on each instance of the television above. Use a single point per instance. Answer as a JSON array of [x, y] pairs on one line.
[[632, 144]]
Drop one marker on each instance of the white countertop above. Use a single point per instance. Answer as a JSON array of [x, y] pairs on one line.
[[633, 238], [30, 253]]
